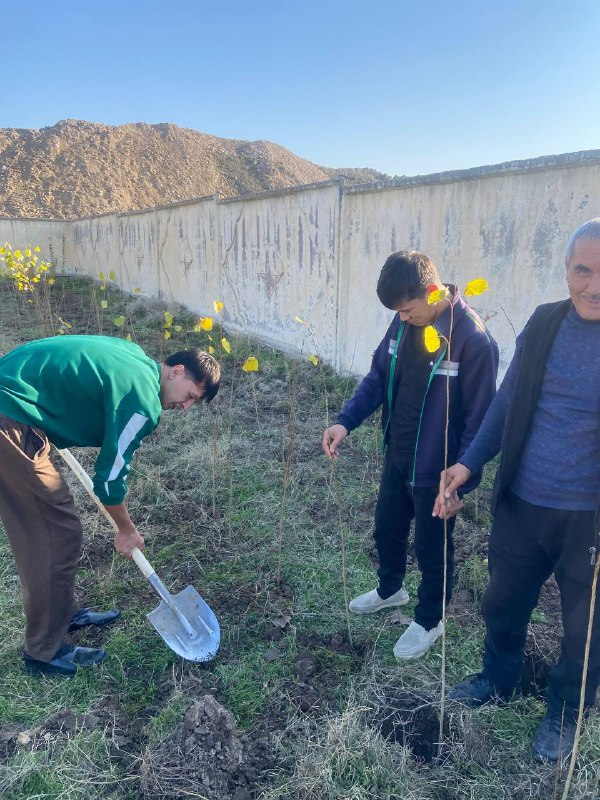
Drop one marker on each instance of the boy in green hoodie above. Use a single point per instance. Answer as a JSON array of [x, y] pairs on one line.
[[77, 391]]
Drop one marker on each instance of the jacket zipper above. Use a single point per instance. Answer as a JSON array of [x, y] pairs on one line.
[[431, 375]]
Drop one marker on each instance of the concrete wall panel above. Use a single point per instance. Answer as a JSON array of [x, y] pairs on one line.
[[96, 246], [278, 262], [137, 247], [53, 237], [188, 246]]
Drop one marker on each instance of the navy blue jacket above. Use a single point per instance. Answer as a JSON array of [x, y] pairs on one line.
[[471, 373]]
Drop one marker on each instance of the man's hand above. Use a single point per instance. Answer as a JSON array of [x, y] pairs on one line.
[[332, 438], [126, 540], [448, 508], [448, 503], [127, 536]]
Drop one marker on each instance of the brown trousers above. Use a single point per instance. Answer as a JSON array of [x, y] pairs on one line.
[[44, 533]]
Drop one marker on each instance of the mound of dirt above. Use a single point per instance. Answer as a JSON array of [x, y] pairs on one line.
[[206, 757], [78, 169]]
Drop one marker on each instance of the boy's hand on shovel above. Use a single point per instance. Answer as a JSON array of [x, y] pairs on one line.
[[126, 540], [127, 536]]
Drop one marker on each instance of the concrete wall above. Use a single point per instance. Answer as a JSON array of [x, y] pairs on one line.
[[507, 225], [278, 261], [316, 251], [53, 236]]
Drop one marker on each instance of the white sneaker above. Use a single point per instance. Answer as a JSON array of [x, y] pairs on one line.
[[370, 602], [416, 641]]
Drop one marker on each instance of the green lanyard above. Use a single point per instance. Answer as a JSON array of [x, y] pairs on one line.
[[393, 367], [390, 390]]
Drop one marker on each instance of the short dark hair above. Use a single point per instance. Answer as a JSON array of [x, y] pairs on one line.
[[405, 276], [201, 367]]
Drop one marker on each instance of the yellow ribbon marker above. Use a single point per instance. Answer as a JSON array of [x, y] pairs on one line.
[[203, 324], [475, 287], [432, 339], [437, 296], [250, 364]]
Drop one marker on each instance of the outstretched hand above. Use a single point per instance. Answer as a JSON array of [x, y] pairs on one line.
[[448, 503], [332, 438]]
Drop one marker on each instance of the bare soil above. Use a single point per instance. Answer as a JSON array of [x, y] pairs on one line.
[[61, 171]]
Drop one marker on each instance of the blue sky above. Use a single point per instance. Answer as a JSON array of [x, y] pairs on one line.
[[405, 87]]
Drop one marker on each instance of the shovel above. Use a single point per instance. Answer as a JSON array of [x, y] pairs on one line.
[[186, 623]]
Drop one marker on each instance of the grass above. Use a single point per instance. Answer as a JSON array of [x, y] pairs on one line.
[[206, 492], [347, 760], [473, 575], [168, 719], [76, 767]]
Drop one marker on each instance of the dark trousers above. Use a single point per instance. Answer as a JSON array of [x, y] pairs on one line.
[[527, 544], [44, 533], [397, 505]]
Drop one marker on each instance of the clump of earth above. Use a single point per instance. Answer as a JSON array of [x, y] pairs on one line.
[[207, 756]]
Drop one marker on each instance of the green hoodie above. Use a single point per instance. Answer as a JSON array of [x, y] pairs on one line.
[[85, 391]]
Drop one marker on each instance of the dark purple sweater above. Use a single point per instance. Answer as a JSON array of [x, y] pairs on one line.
[[560, 463]]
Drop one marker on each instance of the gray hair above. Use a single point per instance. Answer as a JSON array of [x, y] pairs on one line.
[[589, 230]]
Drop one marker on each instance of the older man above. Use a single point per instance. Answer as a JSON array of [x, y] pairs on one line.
[[545, 421], [83, 391]]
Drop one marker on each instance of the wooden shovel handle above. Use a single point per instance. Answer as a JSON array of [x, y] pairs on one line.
[[140, 559]]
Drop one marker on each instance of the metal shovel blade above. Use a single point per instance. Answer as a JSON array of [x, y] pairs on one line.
[[185, 622], [197, 636]]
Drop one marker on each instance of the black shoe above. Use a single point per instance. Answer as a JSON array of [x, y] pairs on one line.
[[553, 740], [66, 661], [88, 617], [477, 690]]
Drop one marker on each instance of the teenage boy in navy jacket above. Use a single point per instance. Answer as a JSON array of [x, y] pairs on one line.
[[411, 384]]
